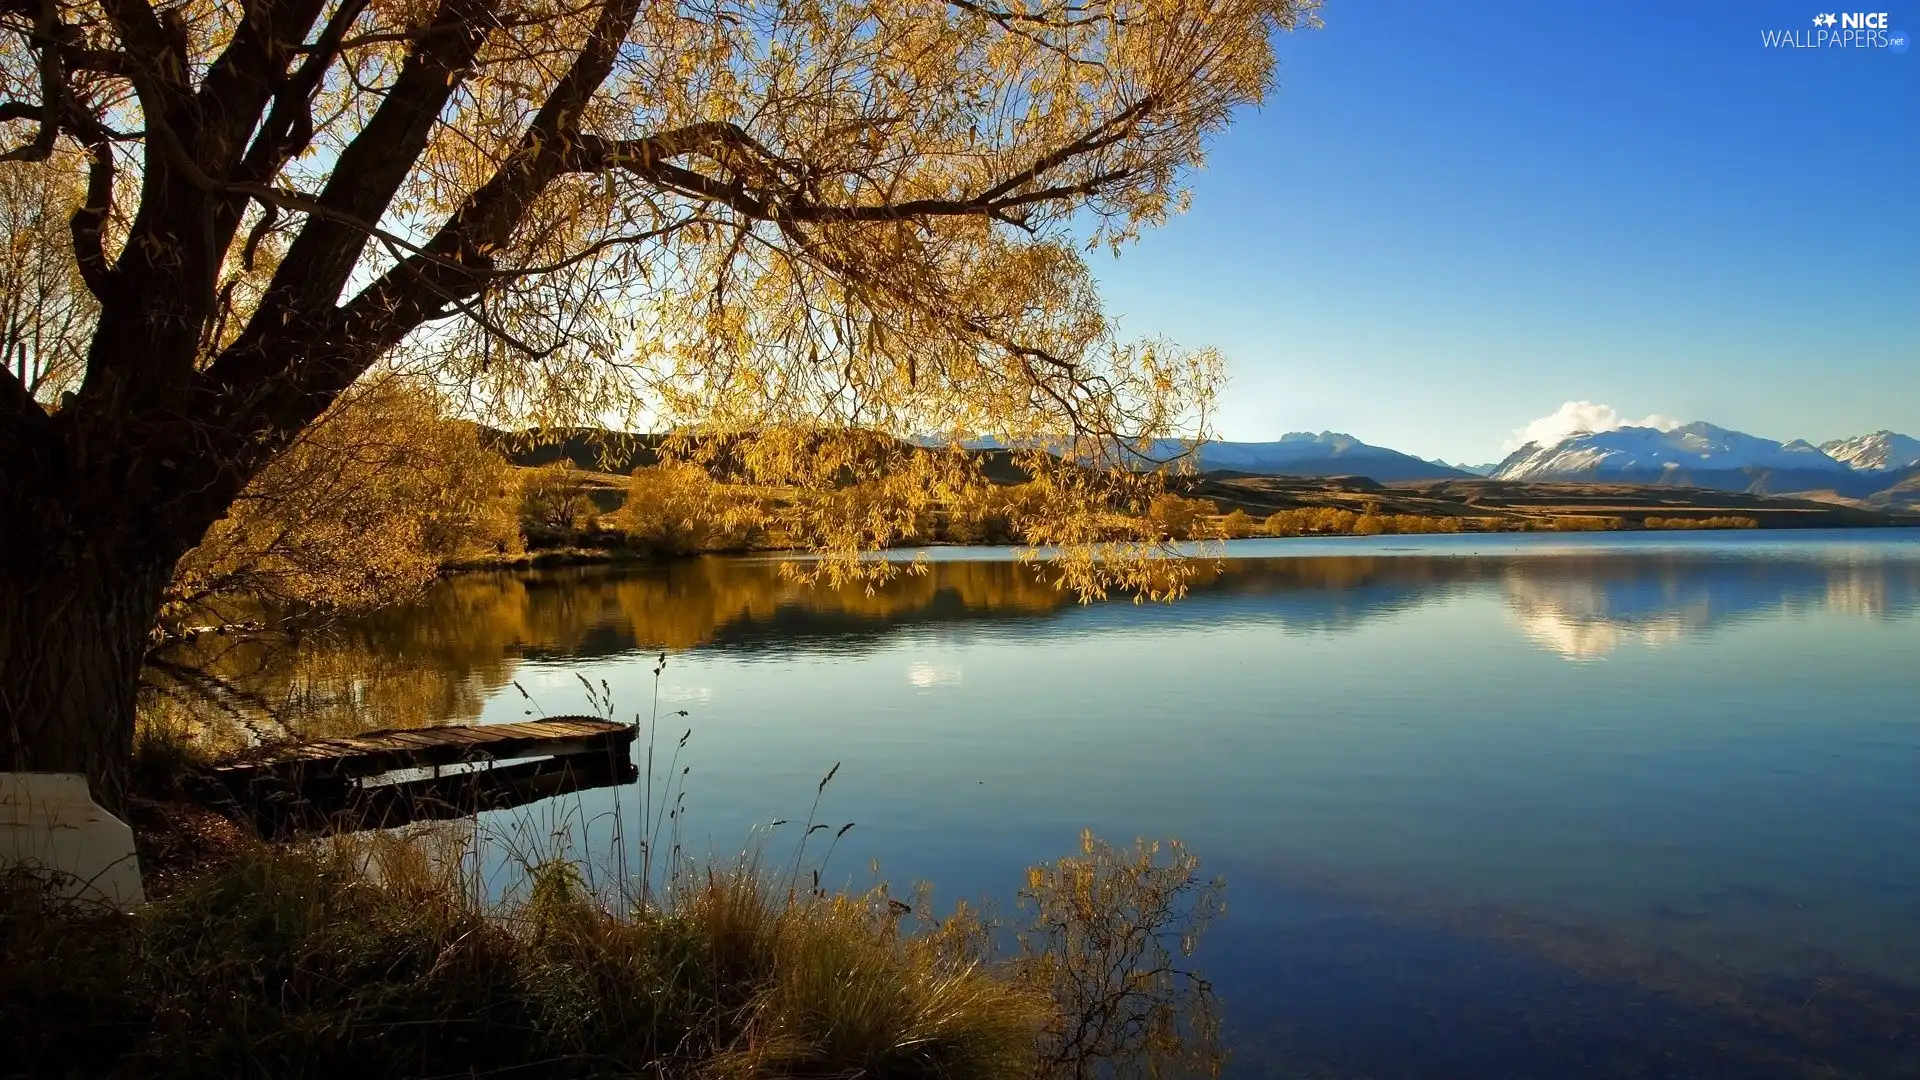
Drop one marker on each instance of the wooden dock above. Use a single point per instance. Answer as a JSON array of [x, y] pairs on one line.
[[383, 779]]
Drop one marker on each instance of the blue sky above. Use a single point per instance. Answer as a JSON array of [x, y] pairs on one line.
[[1450, 220]]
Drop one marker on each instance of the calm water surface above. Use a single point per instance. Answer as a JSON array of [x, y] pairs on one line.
[[1630, 805]]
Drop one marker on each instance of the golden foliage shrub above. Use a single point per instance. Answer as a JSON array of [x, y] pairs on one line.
[[1584, 523], [1333, 521], [364, 509], [1723, 521], [676, 508], [1175, 517]]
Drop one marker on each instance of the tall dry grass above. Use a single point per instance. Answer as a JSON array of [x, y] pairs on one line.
[[376, 957], [400, 954]]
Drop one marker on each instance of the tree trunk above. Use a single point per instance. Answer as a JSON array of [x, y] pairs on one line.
[[73, 634]]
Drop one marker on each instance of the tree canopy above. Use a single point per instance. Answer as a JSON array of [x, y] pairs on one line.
[[785, 215], [864, 213]]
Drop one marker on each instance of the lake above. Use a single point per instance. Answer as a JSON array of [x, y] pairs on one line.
[[1487, 805]]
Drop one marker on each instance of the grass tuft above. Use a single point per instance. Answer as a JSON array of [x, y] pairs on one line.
[[373, 956]]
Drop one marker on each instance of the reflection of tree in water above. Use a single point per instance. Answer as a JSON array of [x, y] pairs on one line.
[[438, 659], [433, 661]]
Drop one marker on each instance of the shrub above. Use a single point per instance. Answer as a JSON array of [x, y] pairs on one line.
[[554, 507], [1411, 524], [1236, 525], [1111, 935], [1175, 517], [1284, 523], [1578, 523], [1329, 520], [1728, 521], [992, 514], [676, 508]]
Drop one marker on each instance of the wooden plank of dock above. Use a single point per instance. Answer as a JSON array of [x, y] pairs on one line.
[[376, 752], [324, 786]]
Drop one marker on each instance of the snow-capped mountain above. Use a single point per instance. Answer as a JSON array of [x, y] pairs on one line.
[[1880, 451], [1642, 453], [1304, 453], [1297, 453], [1697, 455]]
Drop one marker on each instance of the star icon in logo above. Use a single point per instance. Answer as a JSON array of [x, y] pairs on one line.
[[1824, 20]]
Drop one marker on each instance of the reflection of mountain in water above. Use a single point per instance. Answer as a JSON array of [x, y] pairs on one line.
[[437, 660], [1587, 607]]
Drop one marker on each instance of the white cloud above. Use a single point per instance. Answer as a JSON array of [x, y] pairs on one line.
[[1576, 417]]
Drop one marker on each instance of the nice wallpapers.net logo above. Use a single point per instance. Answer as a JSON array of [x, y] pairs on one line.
[[1840, 30]]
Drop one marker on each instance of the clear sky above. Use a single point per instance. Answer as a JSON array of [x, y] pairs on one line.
[[1451, 219]]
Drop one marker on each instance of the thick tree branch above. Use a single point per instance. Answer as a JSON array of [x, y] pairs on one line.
[[289, 126], [19, 110], [768, 200], [373, 166], [458, 261], [246, 76], [89, 221], [157, 55]]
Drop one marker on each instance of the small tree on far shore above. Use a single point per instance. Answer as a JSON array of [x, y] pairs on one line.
[[554, 505]]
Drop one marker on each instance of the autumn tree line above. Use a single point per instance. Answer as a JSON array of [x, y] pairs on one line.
[[386, 492]]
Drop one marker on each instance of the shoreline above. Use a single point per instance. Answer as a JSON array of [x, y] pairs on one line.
[[556, 558]]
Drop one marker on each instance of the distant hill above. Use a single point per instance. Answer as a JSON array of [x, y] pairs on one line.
[[1304, 453], [1484, 469], [592, 449], [600, 450], [1698, 456], [1298, 454], [1903, 495], [1533, 501]]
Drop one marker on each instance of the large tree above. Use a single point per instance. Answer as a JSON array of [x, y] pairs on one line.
[[748, 212]]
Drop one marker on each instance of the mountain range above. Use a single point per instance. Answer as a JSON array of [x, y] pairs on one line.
[[1880, 468], [1297, 453], [1303, 453], [1704, 455]]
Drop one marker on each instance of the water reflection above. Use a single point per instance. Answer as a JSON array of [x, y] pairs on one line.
[[1386, 987], [1458, 845], [440, 659], [1587, 607]]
